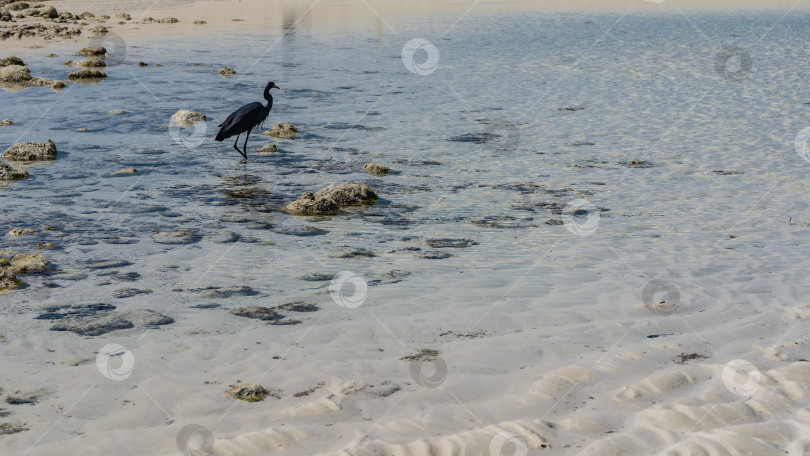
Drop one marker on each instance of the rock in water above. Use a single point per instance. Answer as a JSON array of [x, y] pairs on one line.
[[187, 117], [11, 60], [331, 198], [86, 74], [9, 173], [49, 12], [8, 280], [226, 71], [282, 131], [24, 263], [93, 51], [348, 194], [376, 169], [31, 151], [15, 74], [92, 62], [307, 204]]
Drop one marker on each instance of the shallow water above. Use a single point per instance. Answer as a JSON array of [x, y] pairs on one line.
[[626, 111]]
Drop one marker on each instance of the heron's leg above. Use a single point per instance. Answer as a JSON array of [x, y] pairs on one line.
[[244, 147], [237, 147]]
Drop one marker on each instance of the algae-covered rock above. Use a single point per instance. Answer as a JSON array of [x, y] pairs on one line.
[[226, 71]]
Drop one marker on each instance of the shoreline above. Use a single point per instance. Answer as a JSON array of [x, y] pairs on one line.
[[326, 15]]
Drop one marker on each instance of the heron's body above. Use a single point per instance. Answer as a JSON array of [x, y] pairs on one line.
[[244, 119]]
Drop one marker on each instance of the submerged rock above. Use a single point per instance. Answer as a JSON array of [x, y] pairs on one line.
[[226, 71], [86, 74], [448, 242], [282, 131], [92, 51], [52, 83], [92, 62], [168, 20], [186, 117], [175, 237], [94, 325], [6, 123], [11, 60], [31, 151], [9, 173], [257, 313], [15, 74], [376, 169]]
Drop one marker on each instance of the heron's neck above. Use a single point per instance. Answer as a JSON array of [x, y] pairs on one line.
[[269, 99]]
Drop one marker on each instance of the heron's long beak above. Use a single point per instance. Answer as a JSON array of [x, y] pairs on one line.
[[275, 87]]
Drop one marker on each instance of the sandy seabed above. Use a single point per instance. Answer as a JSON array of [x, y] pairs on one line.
[[414, 371]]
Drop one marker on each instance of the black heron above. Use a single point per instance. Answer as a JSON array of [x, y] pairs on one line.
[[244, 119]]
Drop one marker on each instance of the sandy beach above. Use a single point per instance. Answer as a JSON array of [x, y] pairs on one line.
[[580, 230]]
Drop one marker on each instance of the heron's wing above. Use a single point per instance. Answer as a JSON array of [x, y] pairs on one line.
[[241, 113]]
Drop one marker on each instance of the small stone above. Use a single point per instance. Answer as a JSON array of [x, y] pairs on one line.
[[168, 20], [187, 117], [31, 151], [142, 64], [226, 71], [18, 6], [86, 74], [200, 22], [376, 169], [126, 171], [130, 292], [124, 16], [267, 150], [282, 131], [46, 245], [174, 237], [100, 30], [249, 392], [116, 112], [6, 123]]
